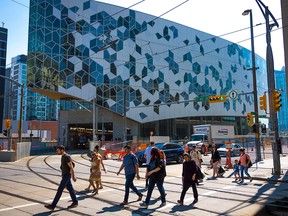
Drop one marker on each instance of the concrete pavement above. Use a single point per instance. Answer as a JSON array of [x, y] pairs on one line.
[[28, 184], [263, 172]]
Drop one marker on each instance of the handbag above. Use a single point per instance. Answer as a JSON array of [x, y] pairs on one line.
[[249, 164]]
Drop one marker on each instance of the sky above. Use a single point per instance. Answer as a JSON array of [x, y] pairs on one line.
[[216, 17]]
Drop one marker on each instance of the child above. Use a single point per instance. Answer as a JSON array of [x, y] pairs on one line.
[[236, 170]]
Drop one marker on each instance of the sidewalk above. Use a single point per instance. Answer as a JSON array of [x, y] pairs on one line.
[[262, 170]]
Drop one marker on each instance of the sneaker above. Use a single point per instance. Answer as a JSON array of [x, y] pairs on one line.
[[241, 181], [140, 197], [48, 206], [73, 205], [143, 205], [124, 203], [180, 202], [163, 204], [195, 201]]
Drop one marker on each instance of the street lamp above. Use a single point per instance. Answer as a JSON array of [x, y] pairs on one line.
[[257, 136]]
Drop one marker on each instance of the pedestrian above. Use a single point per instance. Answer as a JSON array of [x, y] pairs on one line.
[[130, 163], [215, 161], [95, 174], [244, 162], [236, 171], [157, 173], [67, 169], [188, 179], [147, 155], [197, 157]]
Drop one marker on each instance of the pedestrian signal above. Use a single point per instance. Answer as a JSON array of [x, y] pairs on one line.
[[217, 98], [5, 132]]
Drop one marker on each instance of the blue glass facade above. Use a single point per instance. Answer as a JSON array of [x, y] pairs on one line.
[[158, 68], [3, 49], [280, 84]]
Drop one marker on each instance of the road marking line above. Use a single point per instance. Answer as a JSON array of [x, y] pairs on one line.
[[16, 207], [192, 198], [32, 204]]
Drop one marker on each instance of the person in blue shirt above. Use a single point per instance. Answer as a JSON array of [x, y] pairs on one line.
[[130, 163], [236, 170]]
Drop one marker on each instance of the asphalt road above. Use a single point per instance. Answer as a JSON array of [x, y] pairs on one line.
[[28, 184]]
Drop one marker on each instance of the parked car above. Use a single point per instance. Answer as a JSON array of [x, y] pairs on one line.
[[235, 151], [173, 152]]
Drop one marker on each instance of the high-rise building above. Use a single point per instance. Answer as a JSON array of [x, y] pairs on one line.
[[35, 105], [280, 84], [3, 48]]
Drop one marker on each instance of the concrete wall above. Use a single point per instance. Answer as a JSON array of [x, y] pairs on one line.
[[23, 150], [86, 117]]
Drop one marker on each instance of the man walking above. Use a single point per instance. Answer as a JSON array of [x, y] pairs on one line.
[[130, 163], [147, 155], [67, 172], [188, 179]]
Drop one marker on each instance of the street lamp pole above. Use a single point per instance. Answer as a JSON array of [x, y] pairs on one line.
[[257, 135], [273, 120]]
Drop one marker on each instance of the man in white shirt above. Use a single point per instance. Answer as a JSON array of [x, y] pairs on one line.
[[147, 155]]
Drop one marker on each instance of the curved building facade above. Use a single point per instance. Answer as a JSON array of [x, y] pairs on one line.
[[150, 70]]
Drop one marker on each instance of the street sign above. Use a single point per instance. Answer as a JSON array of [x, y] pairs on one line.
[[233, 94], [199, 99]]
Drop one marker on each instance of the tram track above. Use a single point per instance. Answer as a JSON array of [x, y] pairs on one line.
[[108, 184]]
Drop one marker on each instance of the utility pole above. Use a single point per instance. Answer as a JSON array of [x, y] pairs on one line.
[[21, 107], [273, 120]]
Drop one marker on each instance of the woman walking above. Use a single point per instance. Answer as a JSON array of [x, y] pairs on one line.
[[156, 175], [96, 152], [95, 175], [244, 162], [215, 160]]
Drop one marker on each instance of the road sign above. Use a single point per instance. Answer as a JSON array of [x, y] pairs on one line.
[[199, 99], [233, 94]]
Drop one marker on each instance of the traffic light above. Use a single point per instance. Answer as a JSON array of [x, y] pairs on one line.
[[263, 102], [5, 132], [217, 98], [276, 101], [250, 119], [7, 124]]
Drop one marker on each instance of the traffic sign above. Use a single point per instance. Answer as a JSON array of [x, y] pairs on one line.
[[233, 94], [199, 99]]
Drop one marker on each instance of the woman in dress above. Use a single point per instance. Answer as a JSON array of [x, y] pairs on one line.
[[96, 151], [95, 175]]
